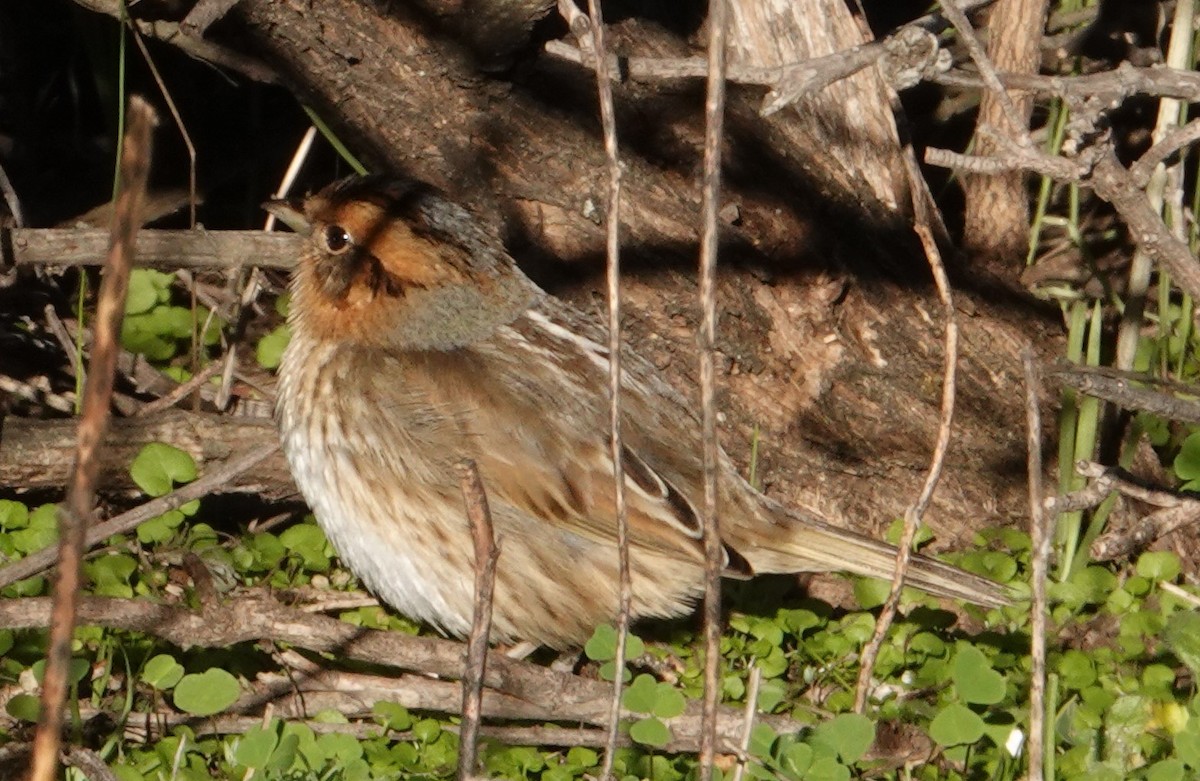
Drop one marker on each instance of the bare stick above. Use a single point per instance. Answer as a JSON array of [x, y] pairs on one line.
[[927, 221], [714, 119], [76, 511], [486, 554], [1040, 538], [912, 516], [612, 251], [181, 391], [748, 724], [40, 560], [172, 249]]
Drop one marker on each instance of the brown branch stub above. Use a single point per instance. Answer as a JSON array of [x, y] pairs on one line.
[[1040, 538], [475, 670], [714, 123], [76, 511], [170, 249]]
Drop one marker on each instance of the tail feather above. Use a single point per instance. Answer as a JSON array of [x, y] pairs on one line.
[[812, 545]]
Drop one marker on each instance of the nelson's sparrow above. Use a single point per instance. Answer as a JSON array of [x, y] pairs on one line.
[[415, 342]]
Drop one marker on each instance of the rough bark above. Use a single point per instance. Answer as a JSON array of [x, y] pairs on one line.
[[996, 219]]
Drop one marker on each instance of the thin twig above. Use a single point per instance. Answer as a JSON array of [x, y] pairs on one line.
[[76, 512], [181, 391], [1040, 539], [38, 561], [612, 248], [11, 200], [927, 224], [748, 724], [55, 323], [714, 119], [987, 71], [183, 133], [475, 670], [913, 515]]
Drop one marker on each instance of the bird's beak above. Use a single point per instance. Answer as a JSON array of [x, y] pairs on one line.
[[290, 211]]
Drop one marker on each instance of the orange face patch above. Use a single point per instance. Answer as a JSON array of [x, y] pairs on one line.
[[391, 254]]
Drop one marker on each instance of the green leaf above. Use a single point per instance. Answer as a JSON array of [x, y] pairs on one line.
[[206, 693], [849, 734], [255, 747], [1166, 770], [871, 592], [76, 671], [1182, 636], [796, 759], [641, 695], [956, 725], [974, 679], [650, 732], [269, 351], [1187, 463], [159, 529], [158, 467], [669, 703], [392, 716], [308, 542], [602, 646], [25, 707], [40, 532], [13, 515], [1187, 743], [147, 288], [1158, 565], [162, 672], [1077, 669], [827, 769]]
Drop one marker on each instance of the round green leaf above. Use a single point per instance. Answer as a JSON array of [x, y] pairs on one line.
[[956, 725], [158, 467], [1187, 463], [827, 769], [650, 732], [974, 678], [849, 734], [13, 515], [269, 351], [641, 695], [669, 702], [255, 747], [1182, 635], [25, 707], [162, 672], [206, 693], [1158, 565], [1166, 770]]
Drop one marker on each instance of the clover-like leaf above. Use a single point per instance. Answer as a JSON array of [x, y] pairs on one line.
[[849, 734], [206, 693], [158, 467], [974, 679], [1158, 565], [650, 732], [256, 746], [956, 725], [1187, 462], [269, 351], [162, 672]]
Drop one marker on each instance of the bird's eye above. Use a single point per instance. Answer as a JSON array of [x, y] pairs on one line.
[[336, 238]]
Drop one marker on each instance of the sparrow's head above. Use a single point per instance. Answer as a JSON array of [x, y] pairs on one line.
[[393, 263]]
